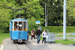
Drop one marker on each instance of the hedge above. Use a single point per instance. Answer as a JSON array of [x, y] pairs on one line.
[[59, 29]]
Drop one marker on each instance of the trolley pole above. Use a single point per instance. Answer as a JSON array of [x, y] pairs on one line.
[[45, 17], [14, 12], [64, 20]]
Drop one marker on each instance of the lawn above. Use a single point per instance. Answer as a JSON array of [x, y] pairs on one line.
[[3, 36], [61, 35], [67, 41]]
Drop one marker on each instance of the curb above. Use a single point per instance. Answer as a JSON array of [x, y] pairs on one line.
[[1, 47]]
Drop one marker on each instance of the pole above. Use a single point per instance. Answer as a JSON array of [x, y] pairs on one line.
[[64, 21], [19, 14], [45, 17], [14, 12]]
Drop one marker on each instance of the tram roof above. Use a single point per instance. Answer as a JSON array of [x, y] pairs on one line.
[[19, 19]]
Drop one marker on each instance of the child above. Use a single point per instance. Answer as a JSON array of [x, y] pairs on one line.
[[44, 36]]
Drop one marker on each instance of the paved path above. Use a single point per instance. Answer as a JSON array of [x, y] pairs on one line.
[[40, 45], [32, 45], [0, 45], [61, 47], [53, 46], [9, 45]]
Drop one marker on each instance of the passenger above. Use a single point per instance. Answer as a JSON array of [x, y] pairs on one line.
[[38, 35], [16, 29], [44, 36], [33, 34]]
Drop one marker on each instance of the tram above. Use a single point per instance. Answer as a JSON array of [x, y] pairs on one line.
[[19, 30]]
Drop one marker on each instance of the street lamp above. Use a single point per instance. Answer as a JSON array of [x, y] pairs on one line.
[[46, 15], [64, 20]]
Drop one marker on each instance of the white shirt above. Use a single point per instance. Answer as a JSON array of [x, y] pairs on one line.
[[43, 34]]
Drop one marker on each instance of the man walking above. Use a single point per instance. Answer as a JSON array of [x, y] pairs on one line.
[[38, 35]]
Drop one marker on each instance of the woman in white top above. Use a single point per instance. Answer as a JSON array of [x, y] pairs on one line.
[[44, 36]]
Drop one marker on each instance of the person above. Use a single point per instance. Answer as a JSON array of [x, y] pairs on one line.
[[33, 34], [17, 29], [28, 34], [44, 36], [38, 35]]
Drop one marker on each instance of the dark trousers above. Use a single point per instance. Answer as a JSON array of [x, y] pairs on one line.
[[32, 36], [38, 39], [44, 40]]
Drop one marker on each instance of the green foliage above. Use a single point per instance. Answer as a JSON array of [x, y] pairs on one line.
[[59, 29], [33, 9], [5, 14], [73, 41], [54, 12], [32, 24], [5, 17], [70, 12], [30, 9], [67, 41]]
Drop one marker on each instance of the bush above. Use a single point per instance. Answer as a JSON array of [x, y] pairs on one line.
[[32, 24], [59, 29], [73, 42]]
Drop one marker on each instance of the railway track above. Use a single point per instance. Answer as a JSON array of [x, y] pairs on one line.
[[21, 46], [28, 45], [25, 46], [17, 47]]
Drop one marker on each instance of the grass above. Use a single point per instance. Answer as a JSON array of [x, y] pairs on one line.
[[61, 35], [73, 41], [3, 36], [41, 38], [66, 42]]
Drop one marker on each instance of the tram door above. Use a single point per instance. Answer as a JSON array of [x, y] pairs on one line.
[[18, 27]]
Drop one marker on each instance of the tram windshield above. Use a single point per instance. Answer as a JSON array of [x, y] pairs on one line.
[[20, 26]]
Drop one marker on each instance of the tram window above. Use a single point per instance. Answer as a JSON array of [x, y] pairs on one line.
[[20, 26], [25, 26], [15, 26]]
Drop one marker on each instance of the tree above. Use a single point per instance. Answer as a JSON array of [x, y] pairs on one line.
[[5, 15], [33, 9], [54, 12], [30, 9], [70, 12]]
